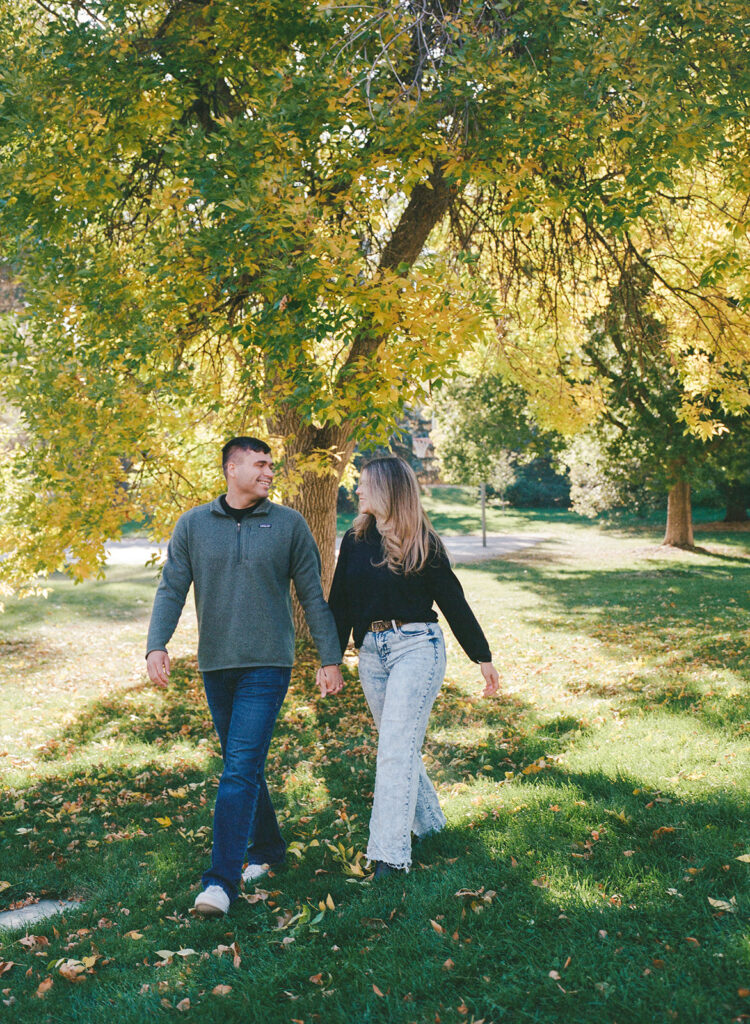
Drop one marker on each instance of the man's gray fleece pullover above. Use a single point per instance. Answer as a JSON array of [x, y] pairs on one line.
[[241, 574]]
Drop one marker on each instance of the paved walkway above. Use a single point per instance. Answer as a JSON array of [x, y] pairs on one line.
[[468, 548], [35, 912]]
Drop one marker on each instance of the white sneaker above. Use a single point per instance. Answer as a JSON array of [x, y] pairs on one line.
[[254, 871], [212, 902]]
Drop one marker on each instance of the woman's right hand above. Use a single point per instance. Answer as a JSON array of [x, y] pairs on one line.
[[491, 678]]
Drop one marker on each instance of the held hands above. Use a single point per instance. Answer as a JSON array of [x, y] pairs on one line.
[[329, 679], [491, 678], [158, 667]]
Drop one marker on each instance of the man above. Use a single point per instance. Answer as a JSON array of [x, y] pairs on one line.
[[240, 552]]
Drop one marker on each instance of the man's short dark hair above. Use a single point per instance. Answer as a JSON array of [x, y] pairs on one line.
[[242, 444]]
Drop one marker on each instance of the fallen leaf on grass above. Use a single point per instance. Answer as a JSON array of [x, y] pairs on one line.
[[555, 975], [133, 935], [628, 853], [254, 897], [44, 988], [541, 882], [744, 857], [476, 899], [71, 969], [743, 993], [377, 991], [316, 979], [221, 990], [729, 906], [5, 966], [184, 1005], [663, 830], [691, 940], [34, 941], [658, 963], [438, 927], [4, 886], [164, 822], [448, 965]]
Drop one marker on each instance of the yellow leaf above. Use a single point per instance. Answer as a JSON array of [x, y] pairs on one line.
[[221, 990], [329, 902], [164, 822], [438, 927], [133, 935]]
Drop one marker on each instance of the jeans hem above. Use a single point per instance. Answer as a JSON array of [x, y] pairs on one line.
[[432, 831], [401, 865]]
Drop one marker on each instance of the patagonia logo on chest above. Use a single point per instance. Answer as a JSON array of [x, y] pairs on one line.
[[264, 526]]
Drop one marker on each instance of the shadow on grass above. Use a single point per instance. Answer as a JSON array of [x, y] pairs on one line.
[[681, 625], [576, 873]]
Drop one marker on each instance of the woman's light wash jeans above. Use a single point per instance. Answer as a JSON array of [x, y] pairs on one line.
[[401, 671]]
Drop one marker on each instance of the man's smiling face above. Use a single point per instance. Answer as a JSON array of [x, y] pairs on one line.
[[249, 476]]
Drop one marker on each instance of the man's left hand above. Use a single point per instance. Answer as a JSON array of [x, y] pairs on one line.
[[330, 680]]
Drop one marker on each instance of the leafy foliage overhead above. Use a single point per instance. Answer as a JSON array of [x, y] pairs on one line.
[[219, 214]]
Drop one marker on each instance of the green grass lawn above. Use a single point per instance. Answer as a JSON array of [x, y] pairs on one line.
[[598, 812]]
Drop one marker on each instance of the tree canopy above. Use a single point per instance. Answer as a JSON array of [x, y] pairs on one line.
[[227, 216]]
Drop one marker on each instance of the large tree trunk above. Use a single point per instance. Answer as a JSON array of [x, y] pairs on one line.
[[316, 500], [679, 532], [316, 495]]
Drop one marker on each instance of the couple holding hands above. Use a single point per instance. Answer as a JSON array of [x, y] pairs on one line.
[[240, 552]]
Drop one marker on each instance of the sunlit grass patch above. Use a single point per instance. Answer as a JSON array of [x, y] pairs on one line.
[[597, 812]]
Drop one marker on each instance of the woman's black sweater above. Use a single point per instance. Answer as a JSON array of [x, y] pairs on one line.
[[363, 592]]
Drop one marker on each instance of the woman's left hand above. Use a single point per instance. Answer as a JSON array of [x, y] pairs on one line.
[[491, 678]]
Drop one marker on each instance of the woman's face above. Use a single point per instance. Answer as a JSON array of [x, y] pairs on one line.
[[362, 492]]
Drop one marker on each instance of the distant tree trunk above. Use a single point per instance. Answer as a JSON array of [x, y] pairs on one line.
[[679, 532], [736, 496]]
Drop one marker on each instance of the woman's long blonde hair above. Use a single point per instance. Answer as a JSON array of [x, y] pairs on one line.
[[409, 539]]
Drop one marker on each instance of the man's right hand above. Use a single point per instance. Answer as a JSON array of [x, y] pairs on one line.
[[329, 679], [158, 667]]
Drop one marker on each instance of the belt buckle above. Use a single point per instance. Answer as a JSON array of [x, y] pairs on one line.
[[382, 625]]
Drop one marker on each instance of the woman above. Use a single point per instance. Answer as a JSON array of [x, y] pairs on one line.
[[392, 566]]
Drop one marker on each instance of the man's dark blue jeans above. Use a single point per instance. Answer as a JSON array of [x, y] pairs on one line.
[[244, 703]]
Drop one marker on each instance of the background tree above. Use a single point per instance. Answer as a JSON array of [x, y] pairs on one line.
[[220, 217], [646, 329], [640, 442], [487, 433]]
